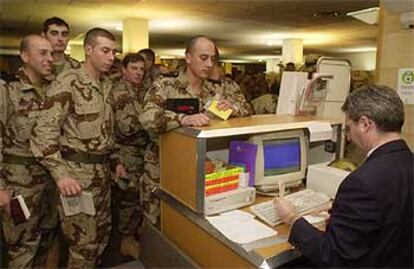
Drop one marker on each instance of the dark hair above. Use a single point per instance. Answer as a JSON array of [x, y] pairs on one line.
[[54, 20], [193, 40], [132, 58], [148, 54], [379, 103], [92, 34]]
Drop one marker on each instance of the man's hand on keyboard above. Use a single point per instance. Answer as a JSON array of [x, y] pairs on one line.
[[285, 211]]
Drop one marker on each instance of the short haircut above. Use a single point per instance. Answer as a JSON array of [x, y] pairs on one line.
[[54, 20], [132, 58], [25, 42], [148, 54], [193, 40], [94, 33], [379, 103]]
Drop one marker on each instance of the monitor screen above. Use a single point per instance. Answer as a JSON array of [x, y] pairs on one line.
[[281, 156]]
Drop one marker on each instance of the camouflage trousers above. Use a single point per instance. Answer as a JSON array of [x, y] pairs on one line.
[[126, 190], [23, 240], [149, 183], [87, 236]]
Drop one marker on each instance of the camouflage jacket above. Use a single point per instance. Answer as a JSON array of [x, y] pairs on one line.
[[232, 92], [69, 63], [156, 119], [127, 106], [77, 115], [20, 103]]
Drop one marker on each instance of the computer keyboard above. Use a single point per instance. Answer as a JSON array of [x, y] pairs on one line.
[[304, 202]]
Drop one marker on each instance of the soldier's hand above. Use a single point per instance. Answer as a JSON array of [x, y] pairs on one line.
[[5, 198], [195, 120], [120, 170], [69, 186]]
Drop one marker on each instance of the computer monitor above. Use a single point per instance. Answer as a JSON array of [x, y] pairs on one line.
[[281, 157]]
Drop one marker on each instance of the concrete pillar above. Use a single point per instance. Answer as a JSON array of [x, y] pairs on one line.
[[134, 35], [292, 51], [228, 68]]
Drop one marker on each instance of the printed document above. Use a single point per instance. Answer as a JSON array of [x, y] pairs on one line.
[[75, 205]]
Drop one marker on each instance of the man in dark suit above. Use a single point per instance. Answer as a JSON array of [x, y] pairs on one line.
[[371, 221]]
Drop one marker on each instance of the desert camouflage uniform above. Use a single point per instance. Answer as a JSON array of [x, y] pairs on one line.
[[156, 120], [132, 139], [69, 63], [265, 104], [20, 103], [50, 225], [77, 120]]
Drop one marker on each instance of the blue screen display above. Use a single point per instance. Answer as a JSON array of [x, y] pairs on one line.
[[281, 156]]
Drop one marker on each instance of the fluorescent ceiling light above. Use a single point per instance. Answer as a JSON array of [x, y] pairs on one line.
[[369, 15], [309, 38]]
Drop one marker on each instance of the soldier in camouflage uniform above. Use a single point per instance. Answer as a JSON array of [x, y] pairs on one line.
[[265, 104], [151, 73], [73, 139], [56, 30], [21, 174], [131, 139], [156, 119]]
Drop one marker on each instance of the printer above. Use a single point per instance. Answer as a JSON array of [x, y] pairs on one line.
[[326, 179]]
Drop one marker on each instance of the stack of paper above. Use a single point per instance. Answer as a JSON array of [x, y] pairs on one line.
[[241, 227]]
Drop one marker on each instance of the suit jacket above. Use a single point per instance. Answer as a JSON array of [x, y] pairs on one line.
[[371, 222]]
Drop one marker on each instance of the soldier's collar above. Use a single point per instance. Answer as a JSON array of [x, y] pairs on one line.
[[182, 78], [88, 80], [25, 80]]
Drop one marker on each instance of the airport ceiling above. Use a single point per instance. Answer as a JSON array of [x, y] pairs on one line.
[[243, 29]]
